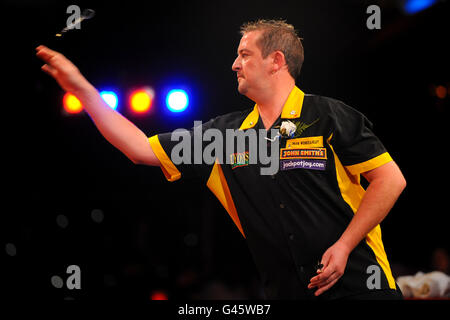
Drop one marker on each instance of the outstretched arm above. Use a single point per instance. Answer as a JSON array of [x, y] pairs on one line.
[[119, 131]]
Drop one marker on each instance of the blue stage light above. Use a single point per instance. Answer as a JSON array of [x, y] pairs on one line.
[[414, 6], [110, 97], [177, 100]]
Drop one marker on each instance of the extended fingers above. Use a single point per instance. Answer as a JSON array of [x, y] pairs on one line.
[[322, 278], [328, 285], [46, 54], [46, 50], [48, 69]]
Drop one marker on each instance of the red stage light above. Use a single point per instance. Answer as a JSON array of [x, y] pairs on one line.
[[441, 92], [71, 104], [141, 100], [158, 295]]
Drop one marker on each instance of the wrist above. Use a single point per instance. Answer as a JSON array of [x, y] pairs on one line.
[[83, 88], [345, 246]]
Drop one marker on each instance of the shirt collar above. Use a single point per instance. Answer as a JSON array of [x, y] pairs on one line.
[[291, 109]]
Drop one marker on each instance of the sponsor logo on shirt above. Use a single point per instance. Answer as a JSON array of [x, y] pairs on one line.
[[309, 153], [239, 159], [303, 164]]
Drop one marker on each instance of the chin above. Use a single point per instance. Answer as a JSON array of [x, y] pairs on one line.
[[242, 89]]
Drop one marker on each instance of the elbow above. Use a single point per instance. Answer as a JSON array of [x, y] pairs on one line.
[[399, 180], [399, 183], [153, 161], [135, 160], [134, 156], [402, 183]]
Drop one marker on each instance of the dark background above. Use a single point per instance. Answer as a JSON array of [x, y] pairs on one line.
[[175, 238]]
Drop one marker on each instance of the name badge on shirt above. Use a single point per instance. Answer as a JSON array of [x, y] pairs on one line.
[[306, 142]]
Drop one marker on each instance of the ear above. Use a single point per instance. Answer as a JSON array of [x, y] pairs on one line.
[[278, 60]]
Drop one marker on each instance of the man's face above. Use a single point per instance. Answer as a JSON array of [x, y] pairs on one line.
[[251, 69]]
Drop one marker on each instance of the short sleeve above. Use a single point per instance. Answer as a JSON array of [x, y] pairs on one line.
[[354, 142], [180, 152]]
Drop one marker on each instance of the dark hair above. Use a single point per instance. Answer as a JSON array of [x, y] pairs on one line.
[[278, 35]]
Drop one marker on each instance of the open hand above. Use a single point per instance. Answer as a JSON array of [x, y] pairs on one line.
[[334, 261], [62, 69]]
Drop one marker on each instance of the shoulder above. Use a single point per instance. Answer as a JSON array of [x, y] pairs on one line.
[[327, 103], [331, 107], [231, 120]]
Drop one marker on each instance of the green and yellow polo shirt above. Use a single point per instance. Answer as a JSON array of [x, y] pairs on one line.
[[289, 219]]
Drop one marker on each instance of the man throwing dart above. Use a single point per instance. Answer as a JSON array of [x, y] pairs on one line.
[[312, 229]]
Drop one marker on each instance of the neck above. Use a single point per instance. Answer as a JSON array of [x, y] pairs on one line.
[[270, 104]]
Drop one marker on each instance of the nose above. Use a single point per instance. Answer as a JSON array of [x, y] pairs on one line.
[[236, 65]]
